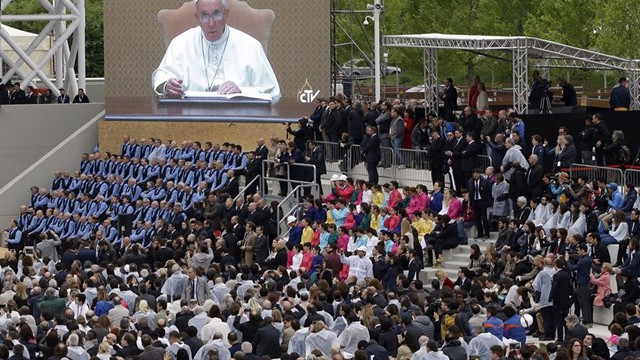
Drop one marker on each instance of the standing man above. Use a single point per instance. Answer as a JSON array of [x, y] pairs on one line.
[[196, 288], [371, 152], [480, 197], [215, 57], [316, 157], [542, 283], [534, 177], [561, 290], [620, 99], [583, 269], [602, 137], [450, 98]]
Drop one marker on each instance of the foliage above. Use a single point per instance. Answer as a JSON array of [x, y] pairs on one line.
[[93, 30], [612, 27]]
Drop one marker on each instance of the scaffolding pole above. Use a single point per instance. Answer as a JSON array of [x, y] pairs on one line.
[[431, 79], [520, 76], [57, 13]]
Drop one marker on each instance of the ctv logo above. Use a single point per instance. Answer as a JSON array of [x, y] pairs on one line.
[[306, 95]]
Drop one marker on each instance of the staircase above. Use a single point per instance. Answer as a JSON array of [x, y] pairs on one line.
[[456, 258]]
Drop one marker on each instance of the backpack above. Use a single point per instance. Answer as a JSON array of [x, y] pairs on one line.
[[447, 320], [624, 154]]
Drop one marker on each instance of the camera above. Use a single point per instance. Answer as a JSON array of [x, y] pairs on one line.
[[514, 346], [28, 250]]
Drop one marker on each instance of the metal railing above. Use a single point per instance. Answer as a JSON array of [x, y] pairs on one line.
[[415, 165], [287, 180], [356, 166], [333, 165], [632, 176], [247, 186], [596, 172], [483, 161], [291, 202]]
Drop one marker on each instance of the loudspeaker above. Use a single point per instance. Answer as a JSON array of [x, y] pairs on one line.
[[124, 224]]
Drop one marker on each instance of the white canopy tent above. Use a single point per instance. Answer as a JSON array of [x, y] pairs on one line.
[[24, 39]]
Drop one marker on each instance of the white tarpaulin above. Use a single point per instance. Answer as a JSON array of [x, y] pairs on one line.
[[24, 39]]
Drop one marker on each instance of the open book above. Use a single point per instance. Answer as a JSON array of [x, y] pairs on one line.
[[216, 97]]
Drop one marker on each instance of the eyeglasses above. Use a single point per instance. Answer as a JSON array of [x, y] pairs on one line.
[[205, 18]]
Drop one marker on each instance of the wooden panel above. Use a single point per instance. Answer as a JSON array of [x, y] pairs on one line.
[[245, 134]]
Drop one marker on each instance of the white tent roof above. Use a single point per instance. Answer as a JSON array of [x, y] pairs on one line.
[[13, 32]]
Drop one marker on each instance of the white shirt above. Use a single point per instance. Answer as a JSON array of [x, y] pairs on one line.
[[244, 62], [359, 267]]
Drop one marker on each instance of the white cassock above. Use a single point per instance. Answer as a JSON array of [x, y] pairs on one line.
[[203, 65]]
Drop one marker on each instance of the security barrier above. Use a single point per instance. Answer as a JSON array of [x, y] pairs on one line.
[[415, 166], [597, 172], [632, 176], [483, 161]]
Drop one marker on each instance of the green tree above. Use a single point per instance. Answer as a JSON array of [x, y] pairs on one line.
[[619, 33]]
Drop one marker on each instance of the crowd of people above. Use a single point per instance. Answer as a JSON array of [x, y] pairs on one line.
[[156, 252], [12, 93]]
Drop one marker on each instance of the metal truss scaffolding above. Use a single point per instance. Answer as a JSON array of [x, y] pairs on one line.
[[522, 49], [66, 20], [431, 79]]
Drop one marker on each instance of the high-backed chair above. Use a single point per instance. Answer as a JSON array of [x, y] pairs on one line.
[[255, 22]]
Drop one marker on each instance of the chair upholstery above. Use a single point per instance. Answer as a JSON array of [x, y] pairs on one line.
[[255, 22]]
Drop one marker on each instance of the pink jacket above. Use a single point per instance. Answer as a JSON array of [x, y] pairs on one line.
[[455, 208], [417, 203], [603, 284]]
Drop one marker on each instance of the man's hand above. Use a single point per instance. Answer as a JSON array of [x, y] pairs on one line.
[[173, 87], [228, 87]]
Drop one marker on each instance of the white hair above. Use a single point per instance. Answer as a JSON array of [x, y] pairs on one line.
[[223, 2]]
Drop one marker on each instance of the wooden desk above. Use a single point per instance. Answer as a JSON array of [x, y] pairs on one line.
[[149, 109]]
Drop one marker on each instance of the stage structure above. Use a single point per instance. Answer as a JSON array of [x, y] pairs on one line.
[[347, 24], [66, 20], [519, 50]]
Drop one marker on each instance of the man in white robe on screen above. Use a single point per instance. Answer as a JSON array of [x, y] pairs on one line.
[[215, 57]]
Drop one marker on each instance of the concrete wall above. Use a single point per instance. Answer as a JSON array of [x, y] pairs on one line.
[[37, 140]]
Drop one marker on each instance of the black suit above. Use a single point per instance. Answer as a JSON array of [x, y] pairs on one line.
[[480, 198], [233, 187], [436, 159], [450, 103], [31, 99], [279, 259], [414, 269], [17, 97], [370, 147], [267, 342], [577, 332], [470, 159], [316, 157], [261, 249], [457, 147], [63, 99], [561, 290], [80, 99], [534, 181]]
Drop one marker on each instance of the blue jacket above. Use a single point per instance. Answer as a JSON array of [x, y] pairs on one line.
[[436, 202], [513, 329], [616, 200], [582, 269], [494, 326]]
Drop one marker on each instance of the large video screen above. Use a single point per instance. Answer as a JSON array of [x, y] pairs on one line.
[[269, 49]]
